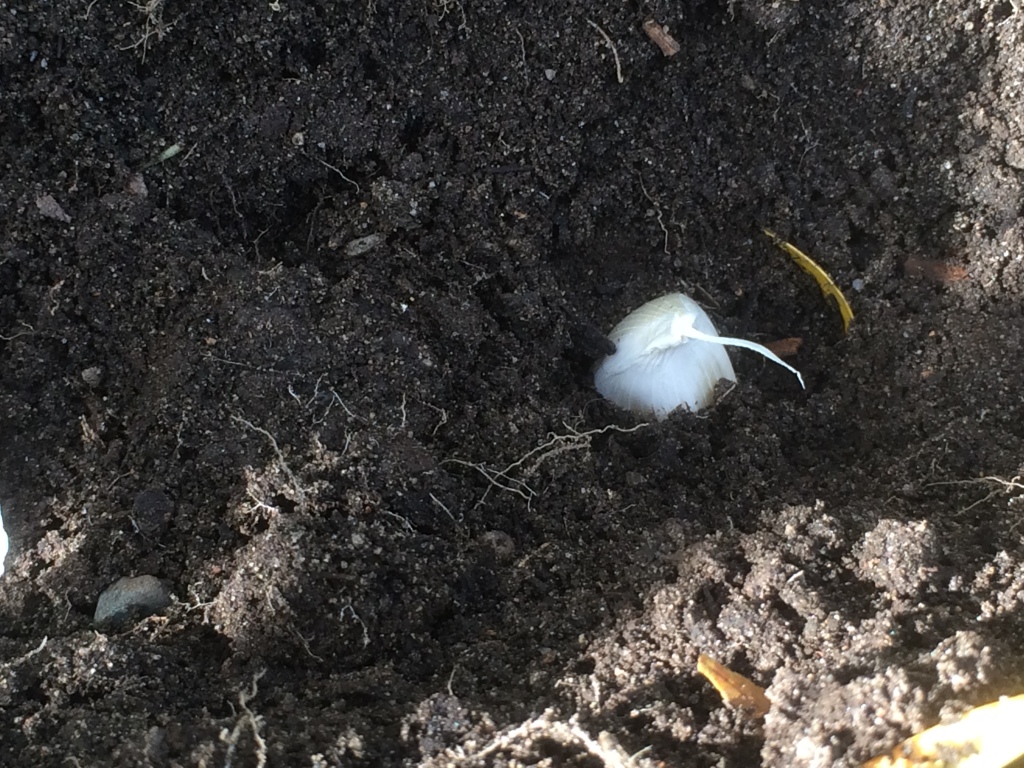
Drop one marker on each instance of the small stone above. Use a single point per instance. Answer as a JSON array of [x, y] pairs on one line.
[[884, 183], [500, 543], [137, 186], [634, 479], [362, 245], [1015, 154], [131, 598], [51, 209], [152, 512], [549, 74], [93, 376]]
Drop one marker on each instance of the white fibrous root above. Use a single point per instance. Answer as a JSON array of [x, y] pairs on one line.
[[668, 355]]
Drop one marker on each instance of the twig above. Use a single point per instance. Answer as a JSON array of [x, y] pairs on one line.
[[615, 51], [246, 366], [405, 523], [441, 504], [522, 50], [352, 612], [305, 643], [14, 336], [661, 38], [336, 170], [657, 211]]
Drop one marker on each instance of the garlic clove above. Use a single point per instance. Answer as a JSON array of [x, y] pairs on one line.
[[668, 355], [655, 368]]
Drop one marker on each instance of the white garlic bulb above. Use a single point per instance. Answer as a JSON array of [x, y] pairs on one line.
[[668, 355]]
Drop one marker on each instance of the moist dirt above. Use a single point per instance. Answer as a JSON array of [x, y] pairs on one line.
[[299, 303]]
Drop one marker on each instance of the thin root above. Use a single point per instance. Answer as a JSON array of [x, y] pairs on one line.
[[572, 440], [615, 51]]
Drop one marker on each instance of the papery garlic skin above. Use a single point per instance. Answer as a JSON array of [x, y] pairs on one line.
[[656, 368], [668, 355]]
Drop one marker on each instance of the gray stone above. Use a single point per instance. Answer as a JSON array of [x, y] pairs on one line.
[[131, 598], [93, 376], [362, 245], [152, 512]]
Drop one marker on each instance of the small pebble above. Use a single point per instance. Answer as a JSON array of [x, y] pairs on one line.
[[634, 479], [152, 513], [362, 245], [133, 598], [93, 376], [50, 208], [500, 543]]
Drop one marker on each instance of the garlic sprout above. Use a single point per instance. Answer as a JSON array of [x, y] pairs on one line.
[[668, 355]]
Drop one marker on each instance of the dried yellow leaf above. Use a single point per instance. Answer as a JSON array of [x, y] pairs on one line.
[[736, 690], [989, 736], [809, 265]]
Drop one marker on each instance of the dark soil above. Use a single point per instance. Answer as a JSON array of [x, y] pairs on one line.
[[326, 338]]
